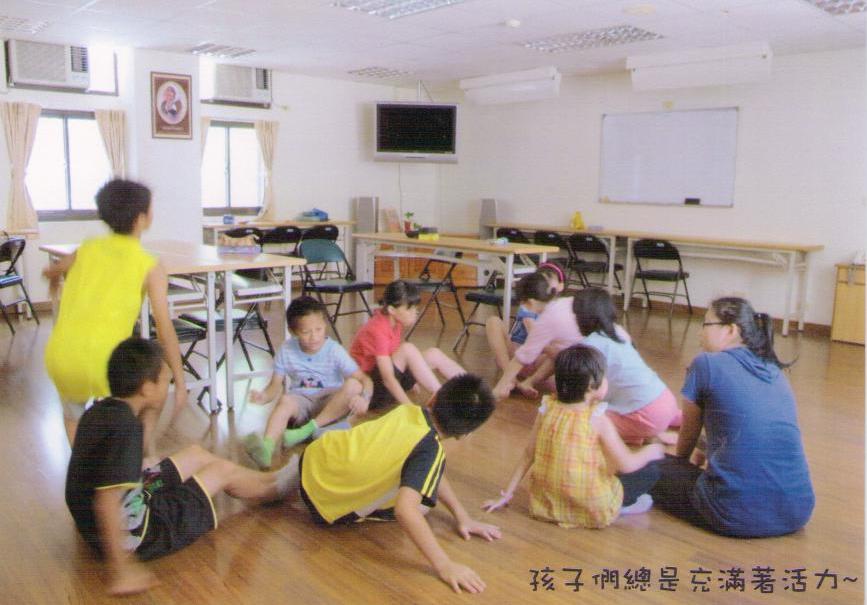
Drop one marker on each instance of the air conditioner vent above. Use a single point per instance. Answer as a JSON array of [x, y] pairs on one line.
[[47, 65], [80, 63], [236, 84]]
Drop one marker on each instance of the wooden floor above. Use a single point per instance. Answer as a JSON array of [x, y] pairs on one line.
[[275, 554]]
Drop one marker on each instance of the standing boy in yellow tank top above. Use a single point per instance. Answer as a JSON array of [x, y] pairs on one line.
[[106, 279]]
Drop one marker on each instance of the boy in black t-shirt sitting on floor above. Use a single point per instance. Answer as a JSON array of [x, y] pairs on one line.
[[123, 511]]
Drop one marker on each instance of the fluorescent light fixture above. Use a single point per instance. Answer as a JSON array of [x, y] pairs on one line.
[[378, 72], [221, 51], [840, 7], [592, 38], [513, 87], [393, 9], [717, 66], [24, 26]]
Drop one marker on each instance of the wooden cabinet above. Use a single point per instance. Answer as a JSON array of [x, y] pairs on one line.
[[848, 323]]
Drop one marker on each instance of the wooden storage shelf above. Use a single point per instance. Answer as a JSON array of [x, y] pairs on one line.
[[848, 322]]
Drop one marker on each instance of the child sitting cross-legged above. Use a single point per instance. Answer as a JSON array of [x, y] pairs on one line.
[[126, 513], [323, 383], [392, 467], [581, 472]]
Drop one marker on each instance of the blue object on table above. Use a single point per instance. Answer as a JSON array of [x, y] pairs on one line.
[[315, 215], [228, 219]]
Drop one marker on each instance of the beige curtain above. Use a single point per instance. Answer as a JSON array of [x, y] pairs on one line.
[[266, 134], [19, 122], [205, 128], [112, 129]]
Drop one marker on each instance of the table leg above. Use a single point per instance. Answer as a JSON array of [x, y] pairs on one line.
[[229, 327], [627, 277], [612, 252], [210, 300], [287, 297], [802, 292], [790, 282], [507, 288]]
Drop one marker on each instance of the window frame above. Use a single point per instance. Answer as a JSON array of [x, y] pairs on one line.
[[229, 209], [68, 214]]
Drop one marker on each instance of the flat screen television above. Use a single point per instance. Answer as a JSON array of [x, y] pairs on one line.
[[416, 132]]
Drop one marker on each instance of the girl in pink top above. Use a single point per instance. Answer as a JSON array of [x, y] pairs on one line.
[[395, 367]]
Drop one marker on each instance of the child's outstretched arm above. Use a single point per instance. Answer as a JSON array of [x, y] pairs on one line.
[[507, 380], [359, 403], [521, 469], [385, 365], [690, 429], [620, 458], [407, 509], [467, 526], [158, 293], [126, 574], [269, 393]]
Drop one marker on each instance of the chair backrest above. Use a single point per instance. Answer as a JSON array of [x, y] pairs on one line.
[[245, 232], [316, 251], [282, 235], [549, 238], [328, 232], [10, 251], [655, 248], [515, 236], [587, 243]]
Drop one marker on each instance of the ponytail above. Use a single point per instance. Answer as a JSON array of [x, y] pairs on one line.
[[594, 312], [757, 329]]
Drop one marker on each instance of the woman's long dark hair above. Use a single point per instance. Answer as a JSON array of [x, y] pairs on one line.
[[757, 329], [594, 312]]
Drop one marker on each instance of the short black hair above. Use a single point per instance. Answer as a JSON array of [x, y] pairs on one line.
[[594, 311], [534, 287], [399, 293], [132, 363], [462, 405], [577, 369], [121, 202], [302, 306]]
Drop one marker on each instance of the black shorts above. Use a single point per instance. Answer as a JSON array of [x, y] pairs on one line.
[[381, 395], [178, 513]]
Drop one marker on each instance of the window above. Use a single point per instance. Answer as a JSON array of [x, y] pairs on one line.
[[67, 167], [232, 175]]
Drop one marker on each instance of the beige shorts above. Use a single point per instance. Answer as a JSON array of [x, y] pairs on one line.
[[74, 410], [310, 404]]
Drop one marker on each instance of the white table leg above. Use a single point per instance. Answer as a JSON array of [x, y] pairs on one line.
[[627, 278], [229, 327], [612, 251], [790, 282], [210, 301], [507, 288], [802, 292], [287, 297]]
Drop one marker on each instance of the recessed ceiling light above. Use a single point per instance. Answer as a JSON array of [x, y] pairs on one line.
[[221, 51], [378, 72], [17, 24], [640, 9], [393, 9], [593, 38], [840, 7]]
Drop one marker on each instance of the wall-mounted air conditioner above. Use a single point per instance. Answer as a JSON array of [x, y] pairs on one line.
[[3, 87], [717, 66], [513, 87], [236, 84], [50, 65]]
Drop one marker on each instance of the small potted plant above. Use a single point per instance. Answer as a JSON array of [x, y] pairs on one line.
[[407, 222]]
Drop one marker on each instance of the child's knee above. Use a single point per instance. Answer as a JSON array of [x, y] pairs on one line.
[[288, 403], [433, 354], [352, 388], [408, 348]]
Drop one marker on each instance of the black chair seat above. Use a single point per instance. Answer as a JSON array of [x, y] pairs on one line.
[[487, 297], [10, 280], [200, 318], [596, 266], [186, 330], [339, 286], [661, 275]]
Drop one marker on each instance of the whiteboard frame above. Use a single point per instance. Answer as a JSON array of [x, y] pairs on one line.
[[602, 199]]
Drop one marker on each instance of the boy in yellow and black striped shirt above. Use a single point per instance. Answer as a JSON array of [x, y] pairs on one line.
[[392, 467]]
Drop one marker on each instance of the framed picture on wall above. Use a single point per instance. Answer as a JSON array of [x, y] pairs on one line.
[[171, 106]]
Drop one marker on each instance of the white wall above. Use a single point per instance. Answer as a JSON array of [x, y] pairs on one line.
[[800, 174]]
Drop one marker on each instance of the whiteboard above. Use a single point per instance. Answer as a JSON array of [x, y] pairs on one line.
[[667, 157]]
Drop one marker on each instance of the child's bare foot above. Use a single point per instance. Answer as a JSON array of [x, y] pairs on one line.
[[527, 389]]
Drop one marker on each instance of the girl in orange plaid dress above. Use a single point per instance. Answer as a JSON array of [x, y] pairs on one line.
[[583, 475]]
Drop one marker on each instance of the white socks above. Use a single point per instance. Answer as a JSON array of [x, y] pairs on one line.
[[641, 505]]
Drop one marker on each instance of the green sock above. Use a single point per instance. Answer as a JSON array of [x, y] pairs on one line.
[[294, 436], [260, 449]]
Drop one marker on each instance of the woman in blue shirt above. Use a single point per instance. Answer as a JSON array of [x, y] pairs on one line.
[[756, 483]]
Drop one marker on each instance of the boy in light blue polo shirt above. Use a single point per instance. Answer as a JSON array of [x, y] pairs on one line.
[[322, 383]]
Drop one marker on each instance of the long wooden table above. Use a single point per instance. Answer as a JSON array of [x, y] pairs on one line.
[[369, 245], [185, 258], [212, 230], [794, 258]]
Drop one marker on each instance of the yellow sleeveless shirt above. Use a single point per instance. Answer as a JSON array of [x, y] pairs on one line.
[[101, 300]]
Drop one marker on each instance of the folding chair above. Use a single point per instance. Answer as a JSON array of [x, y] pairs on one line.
[[516, 236], [489, 295], [552, 238], [10, 253], [242, 320], [326, 232], [319, 252], [658, 250], [591, 255], [428, 283], [281, 240]]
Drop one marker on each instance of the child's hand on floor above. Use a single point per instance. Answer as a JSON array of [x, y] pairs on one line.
[[527, 389], [502, 391], [460, 576], [130, 578], [257, 396], [358, 405], [485, 530], [490, 506]]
